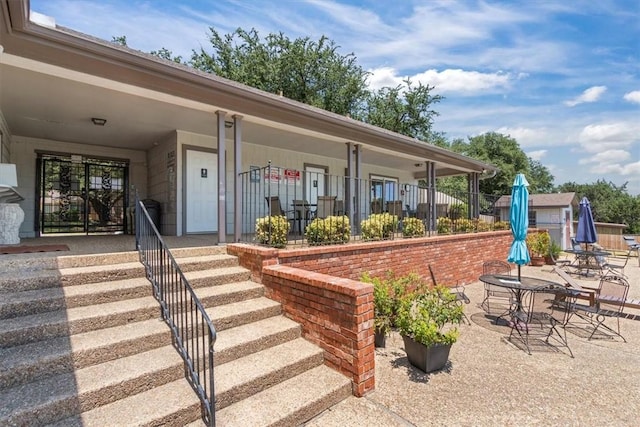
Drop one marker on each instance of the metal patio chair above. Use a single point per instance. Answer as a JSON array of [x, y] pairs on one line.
[[496, 299], [543, 319], [610, 299]]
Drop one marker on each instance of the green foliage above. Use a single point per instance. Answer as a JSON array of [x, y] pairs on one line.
[[309, 71], [539, 243], [458, 210], [379, 226], [501, 225], [332, 229], [272, 230], [555, 249], [609, 203], [405, 109], [426, 316], [388, 294], [412, 227], [504, 152], [164, 53], [121, 40], [464, 225], [444, 225]]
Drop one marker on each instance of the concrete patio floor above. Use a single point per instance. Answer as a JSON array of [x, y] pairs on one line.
[[491, 382], [488, 381]]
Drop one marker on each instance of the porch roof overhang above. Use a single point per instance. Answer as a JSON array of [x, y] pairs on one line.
[[55, 79]]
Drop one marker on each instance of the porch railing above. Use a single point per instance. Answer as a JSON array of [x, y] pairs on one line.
[[303, 196], [193, 332]]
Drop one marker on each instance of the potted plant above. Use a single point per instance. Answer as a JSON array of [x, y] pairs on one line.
[[426, 320], [538, 244], [553, 254]]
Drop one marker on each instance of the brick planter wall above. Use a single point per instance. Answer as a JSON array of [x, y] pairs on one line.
[[319, 287], [335, 313]]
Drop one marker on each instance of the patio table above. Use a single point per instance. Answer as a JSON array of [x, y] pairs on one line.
[[519, 289], [587, 260]]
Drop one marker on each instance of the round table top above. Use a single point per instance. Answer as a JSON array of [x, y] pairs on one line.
[[525, 283], [591, 252]]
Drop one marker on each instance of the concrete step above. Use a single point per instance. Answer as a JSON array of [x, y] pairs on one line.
[[206, 262], [51, 399], [289, 403], [218, 276], [41, 326], [24, 363], [40, 300], [244, 377], [243, 312], [176, 404]]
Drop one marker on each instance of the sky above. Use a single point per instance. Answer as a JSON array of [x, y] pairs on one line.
[[560, 77]]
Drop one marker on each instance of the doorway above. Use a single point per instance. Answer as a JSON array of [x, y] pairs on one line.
[[314, 182], [81, 195], [201, 195]]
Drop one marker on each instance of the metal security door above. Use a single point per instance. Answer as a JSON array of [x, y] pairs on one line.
[[82, 195]]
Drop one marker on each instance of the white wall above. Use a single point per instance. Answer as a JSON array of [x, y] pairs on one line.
[[162, 181]]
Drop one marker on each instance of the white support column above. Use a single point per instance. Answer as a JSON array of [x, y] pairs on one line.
[[237, 170], [222, 176]]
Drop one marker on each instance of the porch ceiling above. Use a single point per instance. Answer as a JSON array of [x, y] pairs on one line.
[[53, 81]]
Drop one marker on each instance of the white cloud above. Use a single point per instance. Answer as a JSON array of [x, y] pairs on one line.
[[590, 95], [609, 136], [633, 96], [526, 137], [606, 157], [459, 81], [537, 155]]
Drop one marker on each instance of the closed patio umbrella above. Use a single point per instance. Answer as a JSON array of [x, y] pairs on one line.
[[519, 218], [586, 232]]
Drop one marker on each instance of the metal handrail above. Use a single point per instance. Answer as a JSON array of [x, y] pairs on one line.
[[193, 332]]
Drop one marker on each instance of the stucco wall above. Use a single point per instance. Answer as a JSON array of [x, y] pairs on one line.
[[162, 181], [5, 138]]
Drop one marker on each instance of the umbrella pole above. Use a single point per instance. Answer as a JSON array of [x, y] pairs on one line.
[[519, 272]]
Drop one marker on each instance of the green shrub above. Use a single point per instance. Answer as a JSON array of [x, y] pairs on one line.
[[424, 315], [482, 225], [464, 225], [501, 225], [412, 227], [444, 225], [272, 230], [379, 226], [332, 229]]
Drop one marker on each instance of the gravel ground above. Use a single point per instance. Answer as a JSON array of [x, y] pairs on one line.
[[491, 382]]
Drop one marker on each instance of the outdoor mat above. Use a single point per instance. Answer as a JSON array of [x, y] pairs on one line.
[[27, 249]]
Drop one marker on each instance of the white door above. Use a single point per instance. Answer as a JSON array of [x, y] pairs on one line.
[[202, 192], [314, 183]]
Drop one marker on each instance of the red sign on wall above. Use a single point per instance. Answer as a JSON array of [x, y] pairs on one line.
[[291, 176]]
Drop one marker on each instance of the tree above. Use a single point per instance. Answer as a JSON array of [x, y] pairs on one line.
[[312, 72], [405, 109], [609, 203]]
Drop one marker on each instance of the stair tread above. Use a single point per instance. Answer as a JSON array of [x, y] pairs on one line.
[[240, 307], [76, 313], [204, 258], [86, 380], [204, 292], [75, 291], [41, 351], [247, 368], [220, 271], [150, 405], [287, 398], [101, 268], [245, 333]]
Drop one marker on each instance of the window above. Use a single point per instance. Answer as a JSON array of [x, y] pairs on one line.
[[384, 188]]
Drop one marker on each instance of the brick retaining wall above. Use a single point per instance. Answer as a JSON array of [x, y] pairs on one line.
[[319, 287]]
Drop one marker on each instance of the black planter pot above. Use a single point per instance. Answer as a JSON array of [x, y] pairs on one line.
[[380, 339], [427, 359]]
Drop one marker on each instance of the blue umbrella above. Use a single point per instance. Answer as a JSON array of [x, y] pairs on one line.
[[519, 218], [586, 228]]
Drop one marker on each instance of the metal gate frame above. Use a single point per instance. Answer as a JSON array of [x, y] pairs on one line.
[[81, 195]]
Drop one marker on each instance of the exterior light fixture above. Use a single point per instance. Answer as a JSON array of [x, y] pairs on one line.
[[98, 122], [228, 124]]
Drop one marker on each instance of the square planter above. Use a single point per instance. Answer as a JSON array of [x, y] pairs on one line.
[[427, 359]]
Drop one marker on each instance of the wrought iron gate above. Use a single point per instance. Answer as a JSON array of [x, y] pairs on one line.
[[81, 195]]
